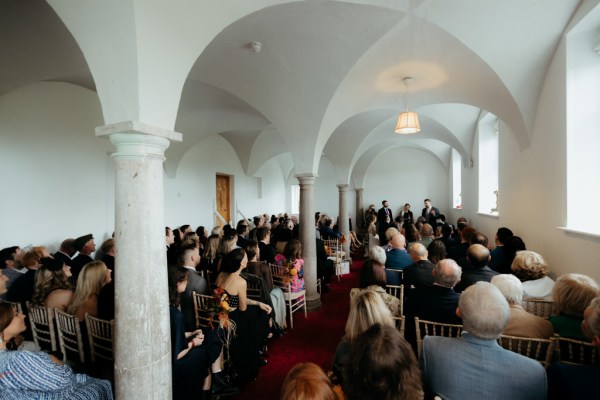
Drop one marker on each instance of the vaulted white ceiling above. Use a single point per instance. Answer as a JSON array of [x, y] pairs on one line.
[[328, 79]]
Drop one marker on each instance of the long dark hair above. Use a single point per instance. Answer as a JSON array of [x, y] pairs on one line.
[[176, 275], [232, 261]]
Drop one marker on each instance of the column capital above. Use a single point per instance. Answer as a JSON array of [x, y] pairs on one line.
[[306, 179], [358, 190], [342, 187], [134, 139]]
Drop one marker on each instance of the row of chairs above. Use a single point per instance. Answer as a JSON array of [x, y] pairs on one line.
[[543, 350], [48, 323]]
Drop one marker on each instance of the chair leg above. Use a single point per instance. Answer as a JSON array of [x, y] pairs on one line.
[[291, 314], [304, 302]]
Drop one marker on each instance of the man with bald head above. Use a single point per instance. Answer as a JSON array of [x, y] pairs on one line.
[[421, 272], [475, 366], [397, 258], [477, 269]]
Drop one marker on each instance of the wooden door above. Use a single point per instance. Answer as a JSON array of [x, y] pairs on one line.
[[223, 198]]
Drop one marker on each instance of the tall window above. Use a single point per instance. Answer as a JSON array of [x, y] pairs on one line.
[[583, 127], [456, 180], [295, 199], [488, 130]]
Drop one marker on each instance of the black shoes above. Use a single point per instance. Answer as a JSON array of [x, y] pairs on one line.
[[220, 387]]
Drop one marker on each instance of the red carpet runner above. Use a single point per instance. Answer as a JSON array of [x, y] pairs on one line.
[[314, 339]]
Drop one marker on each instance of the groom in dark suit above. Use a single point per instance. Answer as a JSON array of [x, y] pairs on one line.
[[430, 213], [384, 219]]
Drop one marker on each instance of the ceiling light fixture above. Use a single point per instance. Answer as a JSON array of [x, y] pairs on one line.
[[408, 121]]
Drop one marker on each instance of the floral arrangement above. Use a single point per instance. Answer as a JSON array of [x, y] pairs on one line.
[[219, 309], [294, 271]]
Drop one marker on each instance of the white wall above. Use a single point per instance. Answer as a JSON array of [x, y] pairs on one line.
[[190, 197], [532, 186], [403, 175], [57, 176]]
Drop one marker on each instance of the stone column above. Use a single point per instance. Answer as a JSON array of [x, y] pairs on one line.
[[308, 239], [142, 329], [360, 212], [343, 225]]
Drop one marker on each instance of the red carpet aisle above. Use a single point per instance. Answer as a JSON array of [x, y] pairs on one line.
[[313, 339]]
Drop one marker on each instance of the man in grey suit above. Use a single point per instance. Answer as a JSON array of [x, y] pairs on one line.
[[190, 258], [474, 366]]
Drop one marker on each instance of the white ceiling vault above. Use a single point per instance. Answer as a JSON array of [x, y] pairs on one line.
[[328, 78]]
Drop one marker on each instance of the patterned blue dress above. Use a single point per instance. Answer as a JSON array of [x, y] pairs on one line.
[[33, 375]]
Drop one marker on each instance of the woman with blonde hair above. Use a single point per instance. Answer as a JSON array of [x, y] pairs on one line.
[[532, 270], [52, 285], [571, 294], [92, 278], [366, 309]]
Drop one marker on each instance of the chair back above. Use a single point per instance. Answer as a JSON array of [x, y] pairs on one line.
[[202, 310], [541, 350], [42, 326], [394, 275], [400, 323], [294, 300], [539, 307], [100, 334], [69, 336], [576, 352], [424, 328], [17, 306], [208, 275], [254, 287], [397, 292]]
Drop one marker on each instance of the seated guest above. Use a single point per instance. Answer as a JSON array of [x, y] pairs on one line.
[[567, 381], [327, 231], [388, 234], [460, 250], [192, 352], [421, 272], [21, 290], [307, 381], [85, 245], [92, 278], [66, 251], [267, 252], [257, 267], [251, 317], [52, 285], [477, 269], [397, 258], [476, 238], [532, 270], [325, 266], [572, 293], [499, 261], [426, 235], [9, 264], [437, 302], [189, 256], [37, 375], [372, 277], [108, 253], [411, 233], [521, 323], [513, 245], [366, 309], [475, 366], [293, 255], [381, 365], [436, 251]]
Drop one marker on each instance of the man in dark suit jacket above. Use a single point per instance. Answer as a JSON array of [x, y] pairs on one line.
[[421, 272], [478, 257], [383, 222], [85, 245], [460, 250], [396, 258], [430, 213], [437, 302], [190, 256], [267, 252]]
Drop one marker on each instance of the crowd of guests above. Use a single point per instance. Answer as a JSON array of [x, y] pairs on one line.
[[450, 274]]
